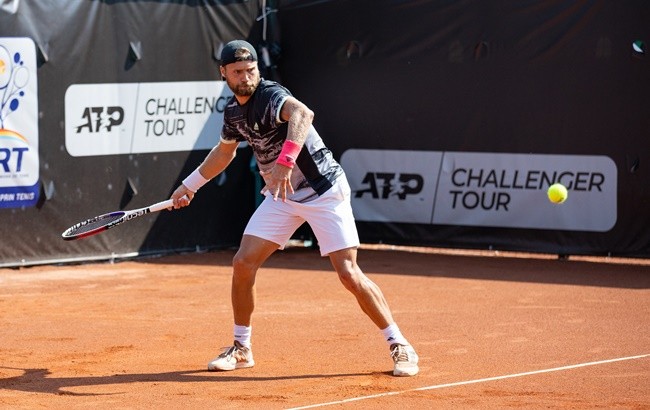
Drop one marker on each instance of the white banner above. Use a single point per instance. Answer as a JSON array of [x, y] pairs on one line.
[[482, 189], [19, 159], [129, 118]]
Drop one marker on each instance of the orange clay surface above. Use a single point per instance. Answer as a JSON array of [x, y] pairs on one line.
[[493, 332]]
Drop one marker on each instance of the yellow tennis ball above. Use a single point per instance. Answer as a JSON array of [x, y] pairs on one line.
[[557, 193]]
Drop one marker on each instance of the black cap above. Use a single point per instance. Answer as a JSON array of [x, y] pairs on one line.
[[237, 50]]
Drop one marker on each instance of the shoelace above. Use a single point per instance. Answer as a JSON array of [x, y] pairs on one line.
[[400, 354], [229, 352], [234, 351]]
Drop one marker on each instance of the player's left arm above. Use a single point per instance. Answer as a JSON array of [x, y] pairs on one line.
[[299, 118]]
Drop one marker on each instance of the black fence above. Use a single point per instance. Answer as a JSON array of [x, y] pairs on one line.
[[450, 118]]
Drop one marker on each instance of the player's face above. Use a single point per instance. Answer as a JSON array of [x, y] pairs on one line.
[[242, 77]]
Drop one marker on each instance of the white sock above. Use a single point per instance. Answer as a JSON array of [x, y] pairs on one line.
[[393, 335], [243, 335]]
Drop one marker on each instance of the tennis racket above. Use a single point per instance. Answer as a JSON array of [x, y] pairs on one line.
[[104, 222]]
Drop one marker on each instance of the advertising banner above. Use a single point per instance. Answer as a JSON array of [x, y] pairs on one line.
[[19, 159], [132, 118], [482, 189]]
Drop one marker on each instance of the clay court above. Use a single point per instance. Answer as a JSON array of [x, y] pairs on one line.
[[493, 331]]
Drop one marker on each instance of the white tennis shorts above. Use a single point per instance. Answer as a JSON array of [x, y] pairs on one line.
[[329, 216]]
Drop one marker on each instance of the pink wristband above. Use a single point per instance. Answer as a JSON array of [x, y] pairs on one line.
[[289, 154]]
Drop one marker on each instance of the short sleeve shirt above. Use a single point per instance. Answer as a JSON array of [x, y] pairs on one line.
[[258, 123]]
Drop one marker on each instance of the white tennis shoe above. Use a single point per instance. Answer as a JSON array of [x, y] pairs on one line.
[[234, 357], [406, 360]]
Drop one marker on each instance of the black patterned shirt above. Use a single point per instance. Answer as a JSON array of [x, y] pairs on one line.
[[258, 123]]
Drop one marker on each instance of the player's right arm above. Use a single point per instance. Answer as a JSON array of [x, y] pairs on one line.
[[218, 159], [214, 163]]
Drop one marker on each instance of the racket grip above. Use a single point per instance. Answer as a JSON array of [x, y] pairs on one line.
[[164, 205]]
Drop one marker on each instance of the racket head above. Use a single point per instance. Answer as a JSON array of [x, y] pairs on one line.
[[93, 226]]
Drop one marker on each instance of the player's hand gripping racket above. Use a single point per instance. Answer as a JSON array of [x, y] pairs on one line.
[[101, 223]]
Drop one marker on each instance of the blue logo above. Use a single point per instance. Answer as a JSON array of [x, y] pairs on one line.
[[19, 184], [14, 76]]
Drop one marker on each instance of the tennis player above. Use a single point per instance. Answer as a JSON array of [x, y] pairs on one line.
[[303, 183]]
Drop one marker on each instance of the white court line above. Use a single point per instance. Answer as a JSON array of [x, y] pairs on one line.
[[488, 379]]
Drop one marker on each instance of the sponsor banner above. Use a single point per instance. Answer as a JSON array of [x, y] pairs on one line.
[[19, 159], [130, 118], [392, 186], [482, 189]]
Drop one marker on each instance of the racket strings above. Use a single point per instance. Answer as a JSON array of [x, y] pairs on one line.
[[92, 224]]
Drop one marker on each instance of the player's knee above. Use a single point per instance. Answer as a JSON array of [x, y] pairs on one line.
[[350, 278], [243, 268]]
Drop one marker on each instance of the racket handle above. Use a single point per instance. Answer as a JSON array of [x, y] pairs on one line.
[[164, 205]]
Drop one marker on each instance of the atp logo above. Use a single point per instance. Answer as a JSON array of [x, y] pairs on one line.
[[383, 185], [98, 118]]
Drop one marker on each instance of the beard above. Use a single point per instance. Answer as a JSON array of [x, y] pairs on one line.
[[244, 90]]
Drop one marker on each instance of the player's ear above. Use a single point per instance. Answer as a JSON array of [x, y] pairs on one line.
[[223, 72]]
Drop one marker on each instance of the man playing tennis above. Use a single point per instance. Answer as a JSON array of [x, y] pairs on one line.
[[303, 183]]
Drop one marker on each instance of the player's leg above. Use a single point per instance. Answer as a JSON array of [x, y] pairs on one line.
[[332, 221], [269, 228], [253, 251], [368, 295], [372, 302]]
